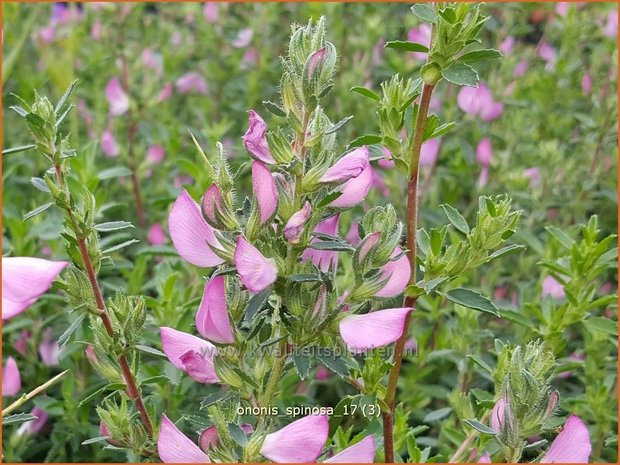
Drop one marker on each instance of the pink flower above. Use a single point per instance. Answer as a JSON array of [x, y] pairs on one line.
[[349, 166], [155, 154], [34, 426], [191, 82], [353, 236], [95, 30], [209, 10], [190, 354], [321, 374], [152, 60], [521, 68], [420, 35], [507, 45], [354, 190], [397, 272], [295, 225], [166, 92], [21, 344], [316, 59], [211, 202], [156, 235], [257, 273], [547, 53], [299, 442], [479, 101], [209, 437], [244, 38], [551, 287], [255, 140], [484, 152], [572, 445], [11, 379], [47, 34], [191, 235], [498, 415], [108, 144], [386, 162], [372, 330], [361, 452], [611, 27], [533, 174], [323, 259], [429, 152], [561, 8], [265, 191], [212, 320], [49, 350], [586, 84], [174, 447], [116, 96], [485, 458], [24, 280]]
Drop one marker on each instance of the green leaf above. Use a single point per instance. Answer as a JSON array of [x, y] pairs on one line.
[[448, 14], [599, 323], [163, 250], [338, 125], [113, 226], [564, 239], [329, 199], [39, 183], [472, 299], [335, 364], [107, 387], [480, 55], [274, 108], [64, 337], [18, 418], [122, 245], [163, 379], [508, 250], [460, 74], [216, 397], [116, 172], [367, 139], [365, 92], [455, 218], [150, 350], [37, 210], [65, 97], [237, 434], [441, 130], [21, 148], [425, 12], [437, 415], [302, 364], [336, 246], [305, 278], [94, 440], [481, 363], [484, 429], [407, 46], [255, 304]]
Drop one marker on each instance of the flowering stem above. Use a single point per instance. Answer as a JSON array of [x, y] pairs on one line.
[[412, 226], [132, 388], [26, 397]]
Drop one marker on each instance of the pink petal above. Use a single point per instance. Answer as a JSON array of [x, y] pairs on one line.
[[156, 235], [323, 259], [116, 96], [498, 415], [354, 190], [295, 225], [507, 45], [420, 35], [551, 287], [11, 379], [190, 233], [429, 152], [367, 244], [210, 12], [299, 442], [491, 111], [397, 272], [24, 280], [257, 273], [265, 191], [212, 200], [244, 38], [372, 330], [192, 82], [362, 452], [155, 154], [349, 166], [109, 147], [212, 319], [255, 140], [484, 152], [315, 59], [611, 27], [174, 447], [49, 349], [34, 426], [208, 438], [572, 445], [485, 458], [190, 354]]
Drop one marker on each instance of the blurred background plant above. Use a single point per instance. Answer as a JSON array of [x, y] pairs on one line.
[[541, 127]]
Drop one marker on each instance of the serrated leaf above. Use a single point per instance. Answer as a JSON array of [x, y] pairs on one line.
[[461, 74], [338, 125], [472, 299], [18, 418], [302, 364], [367, 139], [21, 148], [455, 218], [274, 108], [332, 245], [480, 55], [255, 304], [122, 245], [237, 434], [365, 92], [37, 210], [216, 398], [407, 46], [441, 130], [425, 12], [335, 364], [482, 428], [305, 278], [113, 226]]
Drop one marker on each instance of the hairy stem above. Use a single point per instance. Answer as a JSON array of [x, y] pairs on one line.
[[412, 226]]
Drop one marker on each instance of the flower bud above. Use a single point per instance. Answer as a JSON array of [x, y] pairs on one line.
[[295, 225], [216, 211], [431, 73]]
